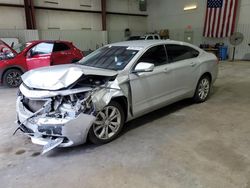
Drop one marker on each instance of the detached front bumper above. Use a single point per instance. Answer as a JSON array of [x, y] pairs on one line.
[[42, 129]]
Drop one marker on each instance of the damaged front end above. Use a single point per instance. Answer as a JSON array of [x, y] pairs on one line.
[[63, 117]]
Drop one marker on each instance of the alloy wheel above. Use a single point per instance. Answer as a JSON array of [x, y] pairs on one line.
[[108, 122], [204, 88], [13, 79]]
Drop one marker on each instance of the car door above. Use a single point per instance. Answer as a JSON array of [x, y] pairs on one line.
[[184, 63], [150, 90], [61, 54], [39, 55]]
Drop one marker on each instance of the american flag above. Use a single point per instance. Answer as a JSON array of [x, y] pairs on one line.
[[220, 18]]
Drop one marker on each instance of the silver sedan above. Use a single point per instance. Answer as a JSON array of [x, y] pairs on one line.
[[67, 104]]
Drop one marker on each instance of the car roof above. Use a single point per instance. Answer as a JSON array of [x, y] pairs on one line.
[[148, 43], [38, 41]]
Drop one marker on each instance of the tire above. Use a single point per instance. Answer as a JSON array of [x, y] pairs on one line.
[[12, 78], [97, 133], [203, 89]]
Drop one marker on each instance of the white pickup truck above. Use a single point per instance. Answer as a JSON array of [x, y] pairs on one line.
[[146, 37], [151, 37]]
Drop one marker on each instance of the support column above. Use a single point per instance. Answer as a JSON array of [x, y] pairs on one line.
[[32, 12], [104, 15], [29, 14]]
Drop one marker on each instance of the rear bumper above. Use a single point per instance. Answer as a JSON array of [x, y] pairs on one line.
[[42, 129]]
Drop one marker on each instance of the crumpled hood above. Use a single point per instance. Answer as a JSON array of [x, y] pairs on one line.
[[60, 76]]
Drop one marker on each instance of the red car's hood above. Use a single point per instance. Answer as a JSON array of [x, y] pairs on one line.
[[4, 45]]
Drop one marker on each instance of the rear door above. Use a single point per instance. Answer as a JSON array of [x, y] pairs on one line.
[[62, 54], [151, 89], [39, 55], [185, 63]]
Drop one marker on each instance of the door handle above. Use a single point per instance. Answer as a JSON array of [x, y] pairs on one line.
[[166, 70], [193, 64]]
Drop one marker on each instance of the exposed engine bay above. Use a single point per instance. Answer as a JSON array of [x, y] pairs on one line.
[[61, 106], [63, 117]]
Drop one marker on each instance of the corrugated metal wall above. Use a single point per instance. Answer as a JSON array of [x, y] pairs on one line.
[[84, 40], [22, 35], [243, 50], [117, 36]]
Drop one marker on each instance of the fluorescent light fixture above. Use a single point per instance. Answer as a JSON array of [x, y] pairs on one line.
[[191, 7]]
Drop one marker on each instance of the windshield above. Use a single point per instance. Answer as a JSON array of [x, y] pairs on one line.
[[113, 58], [20, 47]]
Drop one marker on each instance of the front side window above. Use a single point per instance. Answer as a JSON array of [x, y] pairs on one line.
[[21, 46], [113, 57], [60, 47], [178, 52], [42, 48], [155, 55]]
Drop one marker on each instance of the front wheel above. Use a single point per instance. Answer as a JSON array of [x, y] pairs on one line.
[[108, 124], [202, 90], [12, 78]]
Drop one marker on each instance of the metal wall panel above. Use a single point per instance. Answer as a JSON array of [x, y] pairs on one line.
[[22, 35], [243, 50], [84, 40]]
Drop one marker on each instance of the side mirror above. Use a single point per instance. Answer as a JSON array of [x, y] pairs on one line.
[[30, 54], [144, 67]]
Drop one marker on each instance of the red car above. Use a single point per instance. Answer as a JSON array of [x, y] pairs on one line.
[[33, 55]]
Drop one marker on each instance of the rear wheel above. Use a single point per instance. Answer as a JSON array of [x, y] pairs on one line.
[[108, 124], [12, 78], [203, 89]]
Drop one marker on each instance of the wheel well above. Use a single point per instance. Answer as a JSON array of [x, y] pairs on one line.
[[11, 68], [207, 74], [124, 104]]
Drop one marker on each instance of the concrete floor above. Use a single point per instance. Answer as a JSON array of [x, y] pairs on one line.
[[183, 145]]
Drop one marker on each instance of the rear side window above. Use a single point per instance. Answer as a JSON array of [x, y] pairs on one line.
[[155, 55], [178, 52], [150, 38], [157, 37], [60, 47]]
